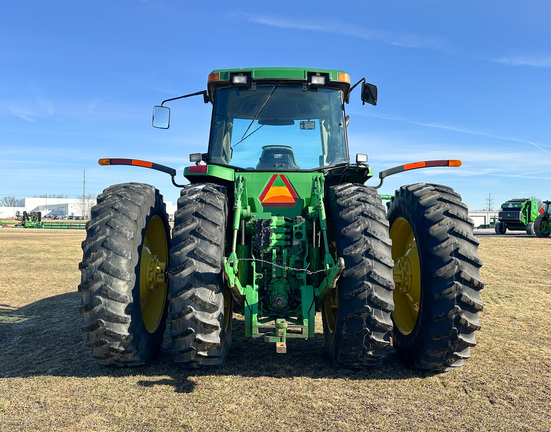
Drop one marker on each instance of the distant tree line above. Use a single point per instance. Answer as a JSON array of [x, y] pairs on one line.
[[8, 201]]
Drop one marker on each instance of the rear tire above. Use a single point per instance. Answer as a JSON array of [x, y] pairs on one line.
[[356, 316], [436, 271], [541, 228], [530, 228], [500, 228], [200, 310], [123, 285]]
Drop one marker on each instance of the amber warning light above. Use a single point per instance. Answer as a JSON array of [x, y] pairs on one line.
[[140, 163], [416, 165]]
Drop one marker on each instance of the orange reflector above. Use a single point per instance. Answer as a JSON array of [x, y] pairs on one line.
[[455, 163], [344, 77], [414, 165], [215, 76], [141, 163]]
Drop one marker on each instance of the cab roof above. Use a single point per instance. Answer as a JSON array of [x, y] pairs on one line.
[[225, 77]]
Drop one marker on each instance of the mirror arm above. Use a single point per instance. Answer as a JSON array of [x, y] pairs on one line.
[[203, 92], [352, 88], [356, 85]]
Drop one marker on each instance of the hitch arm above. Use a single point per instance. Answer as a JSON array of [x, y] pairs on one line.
[[143, 164], [416, 165]]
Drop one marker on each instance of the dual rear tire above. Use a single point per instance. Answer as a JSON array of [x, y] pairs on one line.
[[200, 310], [356, 315], [437, 277], [412, 275], [123, 284], [130, 275]]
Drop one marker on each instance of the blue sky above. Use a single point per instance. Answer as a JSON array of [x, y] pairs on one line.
[[465, 80]]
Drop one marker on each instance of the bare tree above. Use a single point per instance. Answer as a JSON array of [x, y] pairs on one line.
[[8, 201], [540, 202], [86, 204]]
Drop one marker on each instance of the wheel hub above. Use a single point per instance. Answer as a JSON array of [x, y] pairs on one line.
[[155, 271], [406, 275]]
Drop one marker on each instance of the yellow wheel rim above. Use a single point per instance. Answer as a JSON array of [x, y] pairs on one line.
[[407, 276], [153, 284]]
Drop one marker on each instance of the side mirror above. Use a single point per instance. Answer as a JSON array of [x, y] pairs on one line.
[[161, 117], [369, 93]]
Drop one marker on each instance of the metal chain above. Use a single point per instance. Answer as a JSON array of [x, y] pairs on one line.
[[308, 272]]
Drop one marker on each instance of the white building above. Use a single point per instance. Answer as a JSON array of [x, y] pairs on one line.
[[61, 208], [483, 217], [57, 207]]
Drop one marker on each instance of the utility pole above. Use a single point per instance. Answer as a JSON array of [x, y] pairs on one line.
[[490, 202], [84, 194]]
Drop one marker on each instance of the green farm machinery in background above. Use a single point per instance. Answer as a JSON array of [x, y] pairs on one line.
[[517, 215], [34, 220], [277, 224], [29, 219], [542, 227]]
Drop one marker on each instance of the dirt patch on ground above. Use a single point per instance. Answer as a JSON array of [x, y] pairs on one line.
[[48, 380]]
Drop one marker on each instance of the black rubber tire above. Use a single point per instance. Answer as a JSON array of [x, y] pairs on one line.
[[540, 228], [530, 228], [110, 275], [450, 285], [500, 228], [357, 326], [200, 308]]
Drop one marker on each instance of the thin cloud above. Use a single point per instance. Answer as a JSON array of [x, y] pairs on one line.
[[539, 146], [33, 110], [46, 104], [42, 100], [531, 174], [22, 114], [526, 60], [407, 40]]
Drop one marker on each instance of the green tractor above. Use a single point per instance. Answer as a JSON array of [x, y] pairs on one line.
[[542, 227], [517, 214], [276, 224]]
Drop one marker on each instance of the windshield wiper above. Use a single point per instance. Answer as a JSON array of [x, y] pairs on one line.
[[245, 136]]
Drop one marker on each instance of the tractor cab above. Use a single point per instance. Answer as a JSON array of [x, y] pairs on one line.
[[282, 119], [283, 125]]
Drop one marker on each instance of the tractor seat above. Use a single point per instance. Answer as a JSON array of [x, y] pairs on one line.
[[276, 157]]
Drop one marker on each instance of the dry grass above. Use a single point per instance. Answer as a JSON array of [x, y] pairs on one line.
[[48, 380]]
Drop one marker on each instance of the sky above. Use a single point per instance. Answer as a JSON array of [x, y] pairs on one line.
[[467, 80]]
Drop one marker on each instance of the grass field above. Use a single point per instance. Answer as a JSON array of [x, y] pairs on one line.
[[48, 380]]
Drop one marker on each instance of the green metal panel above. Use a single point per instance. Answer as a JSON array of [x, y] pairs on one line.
[[278, 267], [214, 171], [259, 183]]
